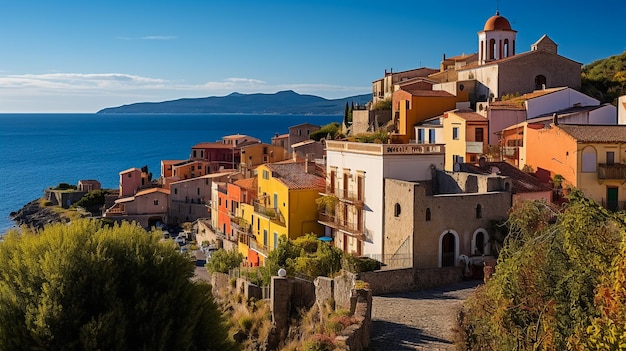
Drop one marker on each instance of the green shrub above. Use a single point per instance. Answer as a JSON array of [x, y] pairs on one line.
[[223, 261], [246, 323]]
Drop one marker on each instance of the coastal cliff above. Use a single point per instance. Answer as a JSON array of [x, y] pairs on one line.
[[36, 216]]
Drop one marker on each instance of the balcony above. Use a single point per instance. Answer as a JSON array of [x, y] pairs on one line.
[[511, 152], [270, 212], [474, 147], [612, 171], [352, 228]]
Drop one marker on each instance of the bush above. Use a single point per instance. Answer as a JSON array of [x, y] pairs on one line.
[[223, 261], [94, 198], [65, 186], [356, 264], [319, 342]]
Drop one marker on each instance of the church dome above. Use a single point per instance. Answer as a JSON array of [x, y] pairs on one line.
[[497, 22]]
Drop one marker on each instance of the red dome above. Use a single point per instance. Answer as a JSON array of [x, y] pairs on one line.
[[497, 22]]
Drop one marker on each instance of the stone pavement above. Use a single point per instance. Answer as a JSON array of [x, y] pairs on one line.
[[418, 320]]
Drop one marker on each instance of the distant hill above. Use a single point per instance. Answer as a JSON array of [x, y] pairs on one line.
[[282, 102], [605, 79]]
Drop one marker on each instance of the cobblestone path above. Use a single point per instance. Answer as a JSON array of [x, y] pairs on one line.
[[418, 320]]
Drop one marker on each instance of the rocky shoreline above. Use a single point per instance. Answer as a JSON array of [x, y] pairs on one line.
[[35, 216]]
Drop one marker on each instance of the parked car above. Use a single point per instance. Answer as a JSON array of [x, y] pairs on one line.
[[180, 240]]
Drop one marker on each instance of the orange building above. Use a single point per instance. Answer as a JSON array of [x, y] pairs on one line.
[[591, 158], [411, 106]]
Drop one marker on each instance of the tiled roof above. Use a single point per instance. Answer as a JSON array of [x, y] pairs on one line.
[[434, 93], [522, 181], [586, 133], [292, 174], [518, 102], [246, 183], [130, 170], [214, 145], [153, 190], [470, 116], [514, 57], [280, 136]]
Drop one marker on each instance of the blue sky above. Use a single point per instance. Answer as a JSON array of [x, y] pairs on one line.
[[82, 56]]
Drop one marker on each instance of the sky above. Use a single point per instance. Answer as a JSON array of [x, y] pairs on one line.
[[67, 56]]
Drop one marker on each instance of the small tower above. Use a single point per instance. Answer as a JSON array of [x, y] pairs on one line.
[[496, 41]]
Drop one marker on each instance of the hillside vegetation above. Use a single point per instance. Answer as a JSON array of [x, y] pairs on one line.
[[559, 283], [605, 79]]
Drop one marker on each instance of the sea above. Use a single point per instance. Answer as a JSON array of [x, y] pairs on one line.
[[38, 151]]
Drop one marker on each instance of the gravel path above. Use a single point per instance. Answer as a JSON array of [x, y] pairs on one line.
[[418, 320]]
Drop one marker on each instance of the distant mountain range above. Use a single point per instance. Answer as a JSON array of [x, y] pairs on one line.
[[282, 102]]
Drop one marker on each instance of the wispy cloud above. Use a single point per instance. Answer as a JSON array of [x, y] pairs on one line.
[[129, 87], [158, 37]]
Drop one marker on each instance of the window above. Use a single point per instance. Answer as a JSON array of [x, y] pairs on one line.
[[265, 237], [540, 82], [275, 240], [194, 153], [396, 210], [455, 133], [299, 131], [478, 134], [198, 191], [589, 160], [427, 214], [431, 136], [175, 191], [130, 175], [479, 211], [610, 158], [266, 174], [420, 136], [492, 49], [156, 202]]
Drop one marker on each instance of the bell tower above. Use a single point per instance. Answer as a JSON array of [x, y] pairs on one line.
[[496, 41]]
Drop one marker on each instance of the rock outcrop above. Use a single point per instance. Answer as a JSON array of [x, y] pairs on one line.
[[33, 215]]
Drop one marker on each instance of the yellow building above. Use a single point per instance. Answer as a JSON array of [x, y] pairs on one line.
[[465, 137], [256, 154], [285, 206], [411, 106]]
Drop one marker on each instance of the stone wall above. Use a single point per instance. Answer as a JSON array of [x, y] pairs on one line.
[[408, 279]]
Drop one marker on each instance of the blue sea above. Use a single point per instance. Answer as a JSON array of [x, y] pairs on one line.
[[42, 150]]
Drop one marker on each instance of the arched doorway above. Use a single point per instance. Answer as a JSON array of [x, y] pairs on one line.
[[448, 249]]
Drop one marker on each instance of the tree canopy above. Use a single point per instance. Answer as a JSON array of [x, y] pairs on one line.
[[87, 286]]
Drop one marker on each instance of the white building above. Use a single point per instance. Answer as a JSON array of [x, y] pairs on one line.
[[355, 174]]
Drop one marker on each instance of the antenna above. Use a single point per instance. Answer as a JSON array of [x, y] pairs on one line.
[[497, 6]]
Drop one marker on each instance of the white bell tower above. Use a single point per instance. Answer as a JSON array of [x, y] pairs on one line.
[[496, 41]]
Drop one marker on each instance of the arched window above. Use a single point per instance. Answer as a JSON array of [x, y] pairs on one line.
[[540, 82], [480, 243], [396, 210], [492, 49], [427, 214], [589, 161], [506, 48], [479, 211]]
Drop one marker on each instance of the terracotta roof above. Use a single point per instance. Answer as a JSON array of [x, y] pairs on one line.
[[433, 93], [497, 22], [517, 103], [153, 190], [169, 162], [294, 177], [460, 57], [587, 133], [280, 136], [470, 116], [237, 136], [130, 170], [522, 182], [214, 145], [246, 183]]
